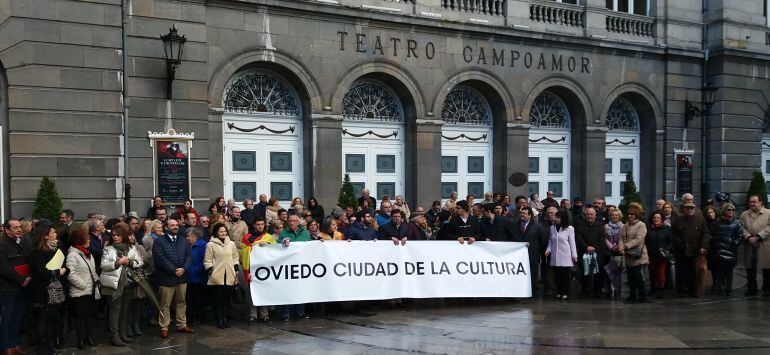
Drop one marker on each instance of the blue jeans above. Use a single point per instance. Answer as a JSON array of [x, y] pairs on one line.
[[297, 309], [13, 309]]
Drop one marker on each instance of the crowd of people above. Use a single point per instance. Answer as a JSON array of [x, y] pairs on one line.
[[58, 276]]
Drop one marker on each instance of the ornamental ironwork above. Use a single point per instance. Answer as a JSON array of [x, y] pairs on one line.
[[622, 116], [465, 106], [371, 101], [766, 123], [261, 92], [549, 111]]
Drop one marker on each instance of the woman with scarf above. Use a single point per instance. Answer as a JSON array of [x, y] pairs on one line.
[[615, 267], [83, 286], [135, 307], [660, 242], [46, 289], [221, 263], [260, 237], [120, 258]]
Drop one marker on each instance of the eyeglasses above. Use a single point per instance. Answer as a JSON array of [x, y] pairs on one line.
[[731, 209]]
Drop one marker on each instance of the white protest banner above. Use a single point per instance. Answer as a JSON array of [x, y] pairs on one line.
[[365, 270]]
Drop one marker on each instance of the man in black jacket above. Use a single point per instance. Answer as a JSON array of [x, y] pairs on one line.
[[463, 227], [494, 227], [589, 237], [527, 230], [13, 279], [397, 230], [172, 256]]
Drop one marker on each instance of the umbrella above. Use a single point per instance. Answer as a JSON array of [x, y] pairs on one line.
[[141, 279]]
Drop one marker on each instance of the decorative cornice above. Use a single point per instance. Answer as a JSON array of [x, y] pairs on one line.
[[170, 134], [369, 133], [247, 130], [462, 135]]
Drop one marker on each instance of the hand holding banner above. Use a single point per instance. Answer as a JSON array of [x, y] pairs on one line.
[[364, 270]]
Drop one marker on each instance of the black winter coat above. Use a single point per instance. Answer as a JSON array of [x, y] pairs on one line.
[[659, 238], [726, 239], [590, 235], [41, 277], [498, 230], [466, 229], [11, 256]]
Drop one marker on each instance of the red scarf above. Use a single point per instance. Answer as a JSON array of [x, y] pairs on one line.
[[84, 250]]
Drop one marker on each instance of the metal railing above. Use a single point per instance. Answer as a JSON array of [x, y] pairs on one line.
[[629, 24], [486, 7], [557, 13]]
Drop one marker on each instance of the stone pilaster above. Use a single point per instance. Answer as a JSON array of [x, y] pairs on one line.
[[593, 162], [326, 175], [517, 157], [423, 164]]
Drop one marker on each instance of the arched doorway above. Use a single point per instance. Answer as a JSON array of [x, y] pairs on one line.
[[466, 144], [622, 151], [373, 138], [549, 146], [263, 151]]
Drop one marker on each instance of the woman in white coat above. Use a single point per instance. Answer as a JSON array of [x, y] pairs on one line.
[[118, 260], [562, 253], [83, 286], [221, 263]]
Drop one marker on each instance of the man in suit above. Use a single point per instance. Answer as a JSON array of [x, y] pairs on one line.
[[527, 230], [172, 256], [495, 227], [65, 226]]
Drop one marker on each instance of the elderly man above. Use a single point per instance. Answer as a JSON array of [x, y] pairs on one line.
[[692, 238], [589, 236], [248, 214], [659, 203], [13, 280], [384, 217], [365, 196], [756, 231], [549, 200], [293, 234], [237, 227]]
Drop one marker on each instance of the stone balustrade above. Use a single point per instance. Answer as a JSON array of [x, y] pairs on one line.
[[485, 7], [628, 24], [557, 13]]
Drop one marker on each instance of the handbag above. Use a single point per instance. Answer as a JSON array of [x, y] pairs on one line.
[[635, 253], [95, 290], [55, 292]]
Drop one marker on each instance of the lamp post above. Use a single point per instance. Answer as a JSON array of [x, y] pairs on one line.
[[691, 111], [173, 44]]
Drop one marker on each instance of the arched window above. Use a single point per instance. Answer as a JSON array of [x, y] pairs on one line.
[[549, 111], [370, 100], [465, 106], [622, 116], [261, 92]]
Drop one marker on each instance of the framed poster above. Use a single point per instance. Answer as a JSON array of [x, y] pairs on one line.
[[171, 165], [683, 160]]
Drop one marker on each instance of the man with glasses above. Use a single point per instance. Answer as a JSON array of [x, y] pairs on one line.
[[205, 225], [756, 231], [14, 277], [692, 238]]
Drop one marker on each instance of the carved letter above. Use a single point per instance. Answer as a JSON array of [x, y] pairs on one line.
[[498, 60], [482, 57], [411, 45], [395, 46], [528, 60], [541, 62], [467, 54], [342, 39], [585, 63], [571, 64], [514, 57], [430, 50], [360, 46], [555, 64], [377, 46]]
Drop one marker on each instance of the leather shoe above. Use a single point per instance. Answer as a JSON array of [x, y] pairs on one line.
[[164, 334], [186, 330]]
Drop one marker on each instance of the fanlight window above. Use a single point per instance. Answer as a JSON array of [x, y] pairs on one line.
[[261, 92], [622, 116], [465, 106], [549, 111], [371, 101]]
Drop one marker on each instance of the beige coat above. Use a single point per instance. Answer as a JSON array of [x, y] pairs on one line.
[[271, 214], [757, 223], [220, 260], [237, 231], [632, 236]]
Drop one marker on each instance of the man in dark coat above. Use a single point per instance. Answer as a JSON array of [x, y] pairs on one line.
[[398, 229], [463, 227], [692, 238], [14, 277], [172, 257], [527, 230], [493, 227], [65, 226], [589, 237], [248, 214]]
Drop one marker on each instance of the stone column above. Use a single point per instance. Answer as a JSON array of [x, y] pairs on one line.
[[326, 159], [423, 164], [517, 157], [215, 155], [593, 162]]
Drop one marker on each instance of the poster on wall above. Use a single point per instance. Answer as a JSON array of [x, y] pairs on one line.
[[171, 165], [683, 159]]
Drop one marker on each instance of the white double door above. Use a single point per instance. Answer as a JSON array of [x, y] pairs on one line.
[[622, 156], [549, 162], [466, 161], [373, 157], [265, 160]]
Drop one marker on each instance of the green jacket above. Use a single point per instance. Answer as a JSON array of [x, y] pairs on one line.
[[301, 235]]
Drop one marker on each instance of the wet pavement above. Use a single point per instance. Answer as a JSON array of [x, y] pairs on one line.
[[714, 324]]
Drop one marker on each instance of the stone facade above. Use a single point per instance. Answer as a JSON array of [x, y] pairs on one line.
[[63, 78]]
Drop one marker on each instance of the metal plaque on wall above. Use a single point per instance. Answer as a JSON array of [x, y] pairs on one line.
[[517, 179]]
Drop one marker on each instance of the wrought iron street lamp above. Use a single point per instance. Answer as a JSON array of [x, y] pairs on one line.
[[691, 111], [173, 44]]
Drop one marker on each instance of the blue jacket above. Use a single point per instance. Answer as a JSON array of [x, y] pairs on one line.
[[169, 256], [197, 273], [358, 231]]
